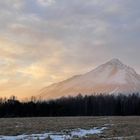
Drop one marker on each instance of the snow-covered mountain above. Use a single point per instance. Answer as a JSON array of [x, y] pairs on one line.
[[112, 77]]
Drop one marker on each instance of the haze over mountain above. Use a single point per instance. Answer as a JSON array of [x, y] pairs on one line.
[[112, 77]]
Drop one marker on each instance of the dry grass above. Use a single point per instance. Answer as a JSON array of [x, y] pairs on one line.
[[128, 127]]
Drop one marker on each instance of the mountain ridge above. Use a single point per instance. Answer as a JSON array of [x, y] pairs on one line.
[[111, 77]]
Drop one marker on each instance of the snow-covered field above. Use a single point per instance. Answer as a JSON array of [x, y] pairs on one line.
[[63, 128], [63, 135]]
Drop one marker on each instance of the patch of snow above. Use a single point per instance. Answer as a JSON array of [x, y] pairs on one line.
[[60, 137], [108, 124], [82, 132], [119, 138], [57, 136]]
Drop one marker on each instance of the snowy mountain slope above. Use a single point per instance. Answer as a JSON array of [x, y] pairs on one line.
[[112, 77]]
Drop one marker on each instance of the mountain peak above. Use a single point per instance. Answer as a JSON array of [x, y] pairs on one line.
[[115, 61], [118, 64], [112, 77]]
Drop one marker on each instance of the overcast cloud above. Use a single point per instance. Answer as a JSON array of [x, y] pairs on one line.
[[46, 41]]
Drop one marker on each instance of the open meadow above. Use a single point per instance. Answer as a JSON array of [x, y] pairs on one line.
[[127, 128]]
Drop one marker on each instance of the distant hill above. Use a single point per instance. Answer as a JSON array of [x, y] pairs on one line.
[[112, 77]]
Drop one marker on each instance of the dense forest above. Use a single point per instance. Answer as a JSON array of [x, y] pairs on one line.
[[99, 105]]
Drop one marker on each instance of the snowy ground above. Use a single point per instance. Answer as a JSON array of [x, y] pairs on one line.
[[121, 138], [42, 127], [63, 135]]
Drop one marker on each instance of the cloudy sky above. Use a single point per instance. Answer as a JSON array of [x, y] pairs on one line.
[[46, 41]]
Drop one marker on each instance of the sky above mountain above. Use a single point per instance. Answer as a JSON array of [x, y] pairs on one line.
[[46, 41]]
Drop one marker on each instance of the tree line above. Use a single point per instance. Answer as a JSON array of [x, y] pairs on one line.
[[92, 105]]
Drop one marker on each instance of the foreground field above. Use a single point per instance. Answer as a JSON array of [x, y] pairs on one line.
[[117, 127]]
